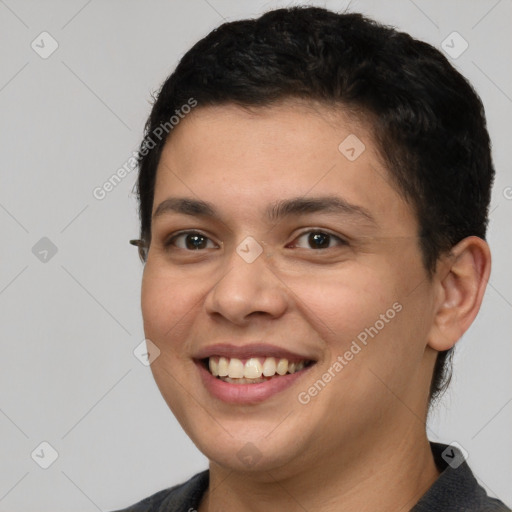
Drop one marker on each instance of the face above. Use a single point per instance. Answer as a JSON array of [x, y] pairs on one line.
[[283, 258]]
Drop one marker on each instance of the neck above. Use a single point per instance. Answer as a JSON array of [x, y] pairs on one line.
[[387, 477]]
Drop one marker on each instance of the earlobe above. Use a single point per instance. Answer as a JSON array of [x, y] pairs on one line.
[[462, 279]]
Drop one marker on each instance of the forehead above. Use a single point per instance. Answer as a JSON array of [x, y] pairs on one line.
[[249, 158]]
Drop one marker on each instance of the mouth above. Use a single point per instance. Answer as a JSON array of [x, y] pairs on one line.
[[249, 374], [253, 370]]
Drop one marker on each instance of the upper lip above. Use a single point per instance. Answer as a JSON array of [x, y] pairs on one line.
[[249, 350]]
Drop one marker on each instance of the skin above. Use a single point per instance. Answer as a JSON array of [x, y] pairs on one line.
[[362, 439]]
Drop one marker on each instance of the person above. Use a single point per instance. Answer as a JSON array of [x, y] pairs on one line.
[[313, 195]]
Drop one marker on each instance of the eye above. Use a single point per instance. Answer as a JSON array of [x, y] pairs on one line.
[[320, 239], [191, 241]]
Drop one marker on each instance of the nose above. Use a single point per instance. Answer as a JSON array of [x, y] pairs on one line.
[[247, 290]]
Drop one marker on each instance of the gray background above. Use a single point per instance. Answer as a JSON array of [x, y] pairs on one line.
[[68, 375]]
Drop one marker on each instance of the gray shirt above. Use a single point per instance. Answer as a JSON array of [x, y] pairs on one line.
[[456, 490]]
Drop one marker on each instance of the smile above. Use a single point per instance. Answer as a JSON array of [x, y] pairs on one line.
[[250, 373], [253, 370]]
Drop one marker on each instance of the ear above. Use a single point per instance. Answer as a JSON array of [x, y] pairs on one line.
[[461, 277]]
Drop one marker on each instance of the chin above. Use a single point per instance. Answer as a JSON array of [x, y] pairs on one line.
[[245, 446]]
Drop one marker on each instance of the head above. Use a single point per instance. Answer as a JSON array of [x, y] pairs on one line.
[[263, 111]]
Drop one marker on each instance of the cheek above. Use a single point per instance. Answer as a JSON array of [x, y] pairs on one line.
[[168, 310], [342, 304], [165, 303], [369, 317]]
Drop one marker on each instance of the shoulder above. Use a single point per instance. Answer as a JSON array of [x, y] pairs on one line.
[[184, 497], [456, 489]]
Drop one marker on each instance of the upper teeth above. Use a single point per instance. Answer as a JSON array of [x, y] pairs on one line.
[[253, 367]]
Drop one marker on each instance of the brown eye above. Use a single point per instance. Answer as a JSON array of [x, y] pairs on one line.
[[320, 240], [190, 241]]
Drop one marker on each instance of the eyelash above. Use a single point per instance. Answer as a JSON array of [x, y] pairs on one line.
[[170, 242]]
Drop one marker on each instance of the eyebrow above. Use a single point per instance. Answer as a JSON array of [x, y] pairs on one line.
[[283, 208]]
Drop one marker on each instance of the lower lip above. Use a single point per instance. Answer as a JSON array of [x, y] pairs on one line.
[[246, 393]]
